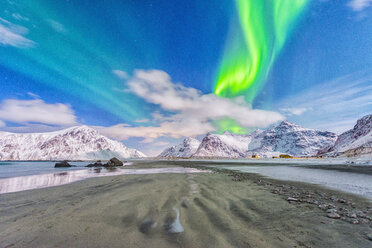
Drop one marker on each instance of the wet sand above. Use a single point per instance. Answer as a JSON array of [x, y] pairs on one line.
[[218, 209]]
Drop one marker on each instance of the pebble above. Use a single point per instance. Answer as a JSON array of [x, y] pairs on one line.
[[354, 221], [369, 236], [340, 208], [353, 216], [364, 221], [333, 198], [331, 206], [361, 214], [292, 199], [333, 215], [323, 206]]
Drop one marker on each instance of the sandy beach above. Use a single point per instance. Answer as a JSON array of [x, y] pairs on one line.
[[216, 209]]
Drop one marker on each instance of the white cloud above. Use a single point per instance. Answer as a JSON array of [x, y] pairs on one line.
[[31, 128], [33, 95], [56, 26], [161, 143], [359, 5], [156, 87], [174, 129], [120, 74], [335, 105], [191, 113], [26, 111], [294, 111], [2, 124], [13, 35], [19, 17]]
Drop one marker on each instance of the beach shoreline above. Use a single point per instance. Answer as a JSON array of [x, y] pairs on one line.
[[223, 209]]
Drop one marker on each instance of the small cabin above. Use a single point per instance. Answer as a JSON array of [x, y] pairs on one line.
[[254, 156], [285, 156]]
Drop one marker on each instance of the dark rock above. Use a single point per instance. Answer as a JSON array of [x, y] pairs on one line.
[[113, 162], [369, 236], [96, 164], [62, 164]]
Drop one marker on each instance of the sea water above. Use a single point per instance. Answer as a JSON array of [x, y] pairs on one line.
[[19, 176], [351, 182]]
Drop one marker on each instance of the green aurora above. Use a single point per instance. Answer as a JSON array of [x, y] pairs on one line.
[[264, 26]]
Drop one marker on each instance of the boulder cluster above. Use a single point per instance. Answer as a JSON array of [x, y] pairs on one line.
[[114, 162]]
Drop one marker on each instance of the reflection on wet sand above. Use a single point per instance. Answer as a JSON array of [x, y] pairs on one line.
[[16, 184]]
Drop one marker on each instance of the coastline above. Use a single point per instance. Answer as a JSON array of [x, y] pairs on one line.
[[219, 209]]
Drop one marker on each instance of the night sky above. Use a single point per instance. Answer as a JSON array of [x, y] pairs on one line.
[[152, 72]]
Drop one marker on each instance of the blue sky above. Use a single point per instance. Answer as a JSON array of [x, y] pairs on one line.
[[144, 71]]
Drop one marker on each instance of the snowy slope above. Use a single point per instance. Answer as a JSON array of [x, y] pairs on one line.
[[285, 138], [289, 138], [225, 145], [186, 149], [357, 141], [76, 143]]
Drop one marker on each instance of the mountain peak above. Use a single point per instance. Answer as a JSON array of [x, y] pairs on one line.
[[288, 124], [186, 149], [80, 128], [364, 123], [356, 141], [74, 143]]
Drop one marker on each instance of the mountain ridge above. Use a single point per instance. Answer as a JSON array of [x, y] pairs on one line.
[[354, 142], [74, 143], [283, 138]]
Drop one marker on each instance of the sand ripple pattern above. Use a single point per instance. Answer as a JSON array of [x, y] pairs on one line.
[[166, 210]]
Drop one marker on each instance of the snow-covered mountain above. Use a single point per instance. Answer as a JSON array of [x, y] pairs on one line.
[[76, 143], [285, 138], [357, 141], [289, 138], [186, 149], [226, 145]]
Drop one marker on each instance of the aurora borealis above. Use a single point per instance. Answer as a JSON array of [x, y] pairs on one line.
[[152, 72], [253, 47]]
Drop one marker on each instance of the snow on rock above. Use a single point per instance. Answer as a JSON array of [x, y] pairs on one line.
[[225, 145], [355, 142], [76, 143], [289, 138], [285, 138], [186, 149]]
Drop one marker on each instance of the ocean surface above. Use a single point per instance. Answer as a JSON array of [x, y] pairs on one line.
[[19, 176], [17, 169]]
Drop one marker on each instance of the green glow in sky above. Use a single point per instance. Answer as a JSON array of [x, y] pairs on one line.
[[253, 46], [231, 126]]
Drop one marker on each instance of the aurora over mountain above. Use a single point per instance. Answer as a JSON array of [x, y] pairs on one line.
[[252, 48], [149, 73]]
